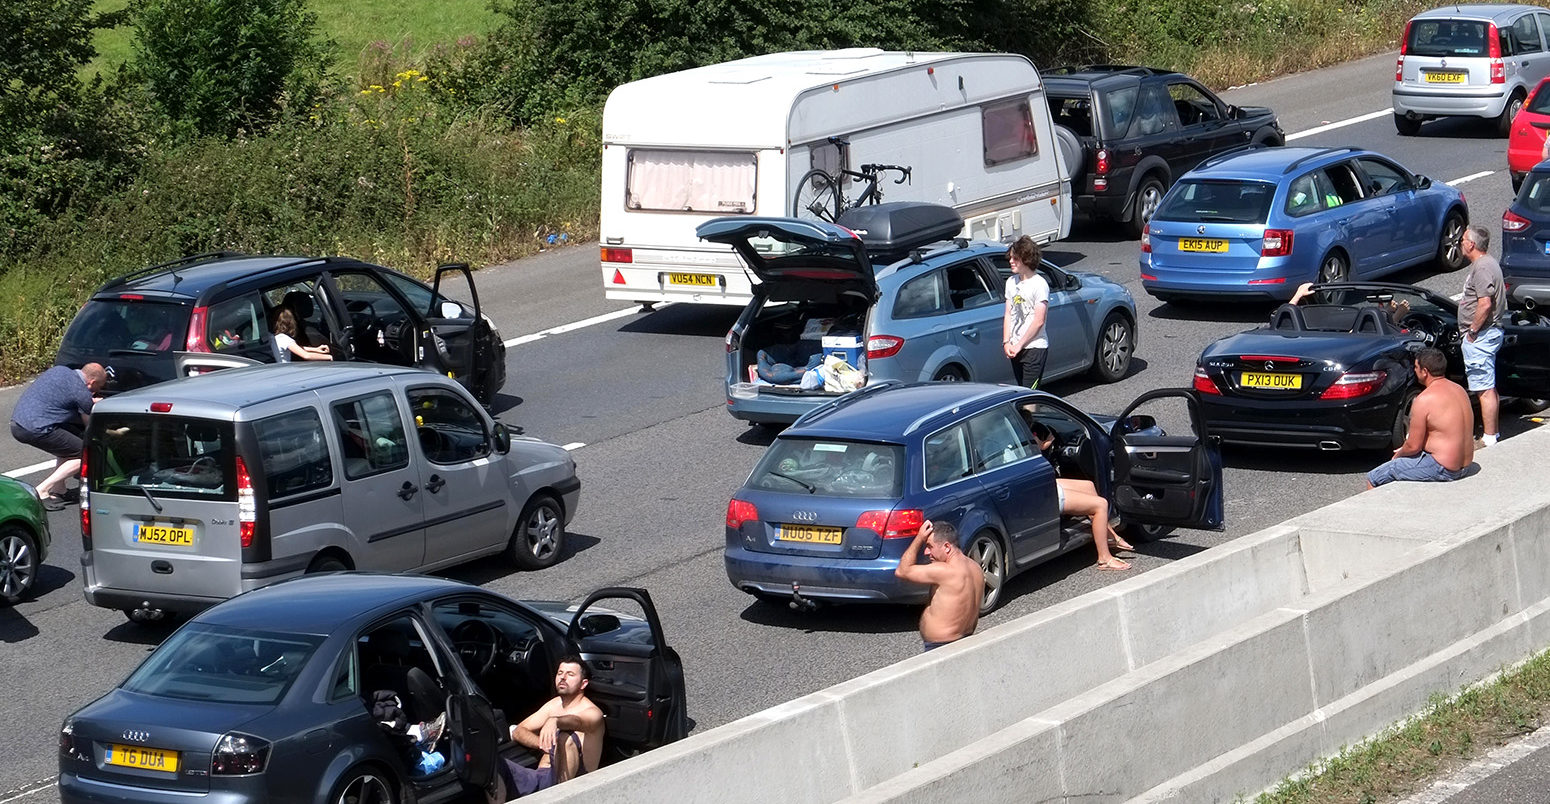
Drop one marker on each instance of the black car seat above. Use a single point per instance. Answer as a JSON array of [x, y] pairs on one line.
[[1374, 321], [308, 333], [1287, 318], [393, 668]]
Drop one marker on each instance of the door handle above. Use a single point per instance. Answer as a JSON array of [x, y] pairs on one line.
[[1510, 340], [1003, 494], [971, 333], [1345, 221], [435, 484], [406, 491]]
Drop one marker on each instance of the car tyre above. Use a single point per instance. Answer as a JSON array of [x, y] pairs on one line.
[[1402, 422], [1266, 138], [1116, 343], [1450, 251], [986, 551], [950, 374], [1334, 268], [326, 564], [1531, 404], [1504, 122], [1148, 197], [1140, 533], [1407, 126], [18, 562], [1517, 181], [364, 786], [540, 535]]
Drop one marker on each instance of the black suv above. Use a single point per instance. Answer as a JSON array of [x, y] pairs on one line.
[[1128, 132], [217, 310]]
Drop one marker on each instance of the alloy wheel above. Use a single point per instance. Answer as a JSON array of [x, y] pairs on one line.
[[543, 532], [1452, 245], [18, 564], [1333, 269], [986, 552], [1115, 348], [367, 788]]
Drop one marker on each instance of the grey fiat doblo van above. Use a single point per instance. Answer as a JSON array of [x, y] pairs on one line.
[[201, 488]]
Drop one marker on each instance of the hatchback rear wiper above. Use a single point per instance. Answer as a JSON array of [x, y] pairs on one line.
[[122, 352], [811, 489], [147, 492], [1218, 219]]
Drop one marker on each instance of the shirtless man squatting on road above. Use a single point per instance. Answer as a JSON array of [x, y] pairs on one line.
[[568, 730], [957, 584], [1441, 442]]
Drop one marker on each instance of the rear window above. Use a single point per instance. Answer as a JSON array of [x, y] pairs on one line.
[[715, 182], [203, 663], [165, 455], [1534, 195], [831, 468], [113, 327], [1217, 202], [1447, 38]]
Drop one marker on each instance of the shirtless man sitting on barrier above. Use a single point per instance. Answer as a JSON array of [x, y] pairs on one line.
[[568, 730], [957, 584], [1440, 445]]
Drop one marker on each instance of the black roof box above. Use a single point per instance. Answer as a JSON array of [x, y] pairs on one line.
[[895, 228]]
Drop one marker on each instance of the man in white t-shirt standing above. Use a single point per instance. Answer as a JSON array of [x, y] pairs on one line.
[[1027, 307]]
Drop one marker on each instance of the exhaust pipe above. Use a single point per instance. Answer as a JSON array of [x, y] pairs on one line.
[[1529, 303], [1329, 446]]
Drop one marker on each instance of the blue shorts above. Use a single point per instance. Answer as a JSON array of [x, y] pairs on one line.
[[1421, 468], [1480, 358]]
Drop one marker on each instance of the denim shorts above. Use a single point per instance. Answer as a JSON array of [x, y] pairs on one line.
[[1480, 358], [1421, 468]]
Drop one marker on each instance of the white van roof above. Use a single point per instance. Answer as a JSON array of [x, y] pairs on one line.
[[714, 104]]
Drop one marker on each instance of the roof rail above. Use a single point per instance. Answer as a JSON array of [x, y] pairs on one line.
[[1322, 152], [171, 266], [1116, 69], [823, 411], [919, 255], [1230, 153]]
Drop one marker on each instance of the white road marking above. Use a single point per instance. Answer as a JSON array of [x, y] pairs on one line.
[[28, 791], [575, 325], [27, 470], [1471, 177], [574, 445], [1349, 121]]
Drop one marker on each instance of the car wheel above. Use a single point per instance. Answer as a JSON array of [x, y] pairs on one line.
[[1334, 268], [1401, 422], [18, 562], [1450, 251], [1148, 196], [1407, 126], [1531, 404], [1116, 342], [326, 564], [950, 374], [1517, 181], [986, 551], [1504, 123], [540, 534], [364, 786], [1266, 138], [1143, 533]]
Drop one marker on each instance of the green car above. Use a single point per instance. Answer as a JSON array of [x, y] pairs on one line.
[[24, 538]]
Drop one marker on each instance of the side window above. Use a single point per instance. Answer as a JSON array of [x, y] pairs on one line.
[[1073, 113], [1544, 23], [947, 456], [1154, 112], [920, 296], [346, 678], [240, 327], [1121, 107], [1343, 186], [397, 656], [371, 435], [826, 156], [999, 438], [450, 429], [293, 452], [967, 288], [1192, 105], [1007, 131], [1525, 35], [420, 297], [1382, 177]]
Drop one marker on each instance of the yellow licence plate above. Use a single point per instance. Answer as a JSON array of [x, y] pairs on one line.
[[134, 756], [1202, 244], [164, 534], [810, 534], [1254, 379], [1444, 78], [693, 280]]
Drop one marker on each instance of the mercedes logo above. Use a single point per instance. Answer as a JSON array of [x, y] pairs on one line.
[[804, 516], [1270, 365], [136, 736], [1200, 229]]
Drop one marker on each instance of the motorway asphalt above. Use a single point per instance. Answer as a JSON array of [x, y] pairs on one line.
[[642, 394]]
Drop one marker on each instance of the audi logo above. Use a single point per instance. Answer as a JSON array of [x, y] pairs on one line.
[[804, 516], [136, 736]]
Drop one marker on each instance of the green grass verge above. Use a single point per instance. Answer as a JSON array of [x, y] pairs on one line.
[[1450, 732]]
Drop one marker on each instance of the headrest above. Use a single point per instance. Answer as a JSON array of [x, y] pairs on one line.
[[300, 303]]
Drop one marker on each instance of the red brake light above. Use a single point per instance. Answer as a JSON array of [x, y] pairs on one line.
[[247, 505], [196, 330], [740, 511], [1494, 41], [239, 755], [1204, 384], [1280, 280], [1146, 239], [883, 346], [1352, 385], [1277, 243], [1513, 222], [1102, 167], [901, 524], [1404, 44], [85, 506], [618, 255], [161, 407]]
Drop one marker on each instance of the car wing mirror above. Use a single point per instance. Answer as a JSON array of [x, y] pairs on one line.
[[451, 309], [1423, 182], [594, 624], [1138, 422], [502, 438]]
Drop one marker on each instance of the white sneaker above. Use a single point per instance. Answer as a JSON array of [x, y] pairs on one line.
[[1487, 440]]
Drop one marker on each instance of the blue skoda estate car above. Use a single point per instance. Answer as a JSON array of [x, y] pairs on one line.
[[892, 293], [827, 512], [1257, 223]]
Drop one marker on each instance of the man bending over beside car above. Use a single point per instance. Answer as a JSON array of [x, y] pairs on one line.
[[568, 731], [957, 584], [1440, 445]]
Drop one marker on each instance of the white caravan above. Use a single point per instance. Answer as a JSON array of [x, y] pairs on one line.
[[738, 138]]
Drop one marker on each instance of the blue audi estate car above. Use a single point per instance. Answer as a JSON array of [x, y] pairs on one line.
[[893, 293], [827, 512], [1255, 224]]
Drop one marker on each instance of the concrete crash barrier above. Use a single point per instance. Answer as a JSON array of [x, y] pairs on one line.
[[1205, 680]]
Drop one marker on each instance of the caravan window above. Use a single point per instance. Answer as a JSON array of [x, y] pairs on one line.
[[1007, 129], [716, 182]]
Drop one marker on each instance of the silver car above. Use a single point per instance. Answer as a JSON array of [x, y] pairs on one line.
[[199, 489], [1470, 61]]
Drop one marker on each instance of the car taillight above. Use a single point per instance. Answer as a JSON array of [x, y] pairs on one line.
[[1513, 222], [1204, 384], [734, 340], [901, 524], [1494, 40], [1277, 243], [740, 511], [1102, 167], [1146, 239], [247, 504], [195, 342], [1404, 46], [883, 346], [85, 507], [618, 254], [67, 749], [239, 755], [1352, 385]]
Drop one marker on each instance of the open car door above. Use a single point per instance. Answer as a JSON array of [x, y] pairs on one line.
[[637, 679], [455, 329], [1167, 479], [474, 737]]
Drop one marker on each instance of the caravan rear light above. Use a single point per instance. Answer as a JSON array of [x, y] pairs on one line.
[[247, 505], [879, 346], [1513, 222], [900, 524], [196, 330], [1277, 243], [85, 506], [618, 254], [1204, 384]]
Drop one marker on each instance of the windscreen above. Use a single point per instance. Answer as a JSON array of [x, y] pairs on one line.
[[1202, 201], [831, 468], [1447, 38], [165, 455], [115, 327], [205, 663]]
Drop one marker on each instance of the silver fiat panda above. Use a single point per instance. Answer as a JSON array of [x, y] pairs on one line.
[[199, 489]]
